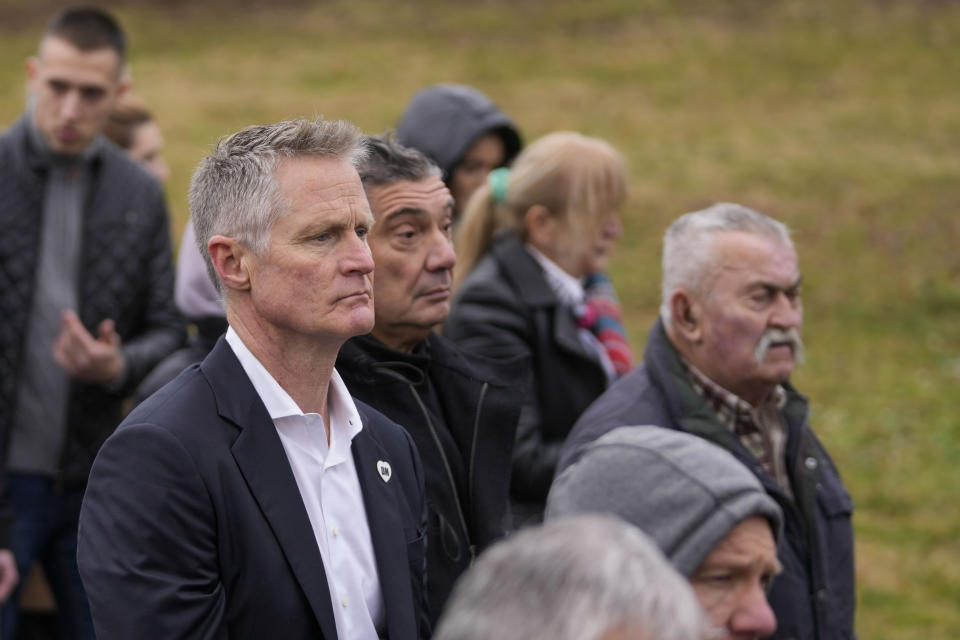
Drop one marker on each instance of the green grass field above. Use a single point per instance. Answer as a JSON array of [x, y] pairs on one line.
[[840, 118]]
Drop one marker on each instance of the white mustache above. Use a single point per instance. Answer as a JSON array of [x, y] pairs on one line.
[[779, 336]]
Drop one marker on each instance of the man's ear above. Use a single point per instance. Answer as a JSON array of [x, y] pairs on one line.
[[32, 65], [123, 86], [685, 316], [230, 260]]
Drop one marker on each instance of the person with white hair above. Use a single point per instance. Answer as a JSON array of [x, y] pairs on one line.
[[717, 365], [578, 578]]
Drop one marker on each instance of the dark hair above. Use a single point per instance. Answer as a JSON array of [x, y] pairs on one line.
[[124, 120], [88, 29], [388, 161]]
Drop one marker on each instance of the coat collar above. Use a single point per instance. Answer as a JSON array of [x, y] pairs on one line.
[[689, 410], [522, 270], [359, 355], [528, 280]]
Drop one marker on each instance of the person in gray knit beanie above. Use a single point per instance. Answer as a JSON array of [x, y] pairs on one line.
[[696, 501]]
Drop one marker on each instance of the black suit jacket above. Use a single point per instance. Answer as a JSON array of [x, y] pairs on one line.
[[193, 526]]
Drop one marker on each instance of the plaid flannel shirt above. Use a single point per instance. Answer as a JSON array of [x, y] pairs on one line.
[[760, 429]]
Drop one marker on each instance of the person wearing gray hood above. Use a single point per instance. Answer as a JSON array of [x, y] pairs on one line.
[[463, 132], [706, 511]]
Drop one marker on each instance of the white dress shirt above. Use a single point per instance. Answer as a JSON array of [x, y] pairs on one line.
[[330, 490]]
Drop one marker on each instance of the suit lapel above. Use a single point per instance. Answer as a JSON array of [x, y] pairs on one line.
[[387, 532], [260, 456]]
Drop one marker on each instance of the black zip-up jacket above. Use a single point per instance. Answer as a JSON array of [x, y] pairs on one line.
[[461, 411], [814, 597], [125, 274]]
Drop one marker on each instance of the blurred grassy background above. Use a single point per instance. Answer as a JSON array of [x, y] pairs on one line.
[[840, 118]]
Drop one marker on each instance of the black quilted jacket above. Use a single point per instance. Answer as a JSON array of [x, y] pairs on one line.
[[125, 274]]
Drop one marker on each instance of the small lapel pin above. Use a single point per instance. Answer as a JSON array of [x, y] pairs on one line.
[[383, 468]]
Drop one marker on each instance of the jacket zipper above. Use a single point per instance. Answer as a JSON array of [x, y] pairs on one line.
[[473, 442], [446, 467]]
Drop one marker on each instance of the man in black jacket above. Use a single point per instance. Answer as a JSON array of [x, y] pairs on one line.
[[717, 365], [461, 409], [86, 304]]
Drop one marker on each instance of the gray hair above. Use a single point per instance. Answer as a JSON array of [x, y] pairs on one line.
[[688, 245], [575, 578], [234, 191], [388, 161]]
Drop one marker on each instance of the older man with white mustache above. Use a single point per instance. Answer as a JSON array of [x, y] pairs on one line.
[[717, 365]]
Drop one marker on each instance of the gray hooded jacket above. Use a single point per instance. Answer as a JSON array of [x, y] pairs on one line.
[[443, 120]]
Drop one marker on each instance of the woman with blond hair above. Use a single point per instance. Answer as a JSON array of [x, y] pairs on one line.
[[533, 240]]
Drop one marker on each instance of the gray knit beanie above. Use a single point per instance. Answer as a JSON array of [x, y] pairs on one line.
[[683, 491]]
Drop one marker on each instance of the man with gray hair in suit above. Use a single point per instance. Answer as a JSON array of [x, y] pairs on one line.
[[717, 365], [253, 496]]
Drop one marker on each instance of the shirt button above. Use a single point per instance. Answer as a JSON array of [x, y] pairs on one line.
[[336, 532], [344, 602], [811, 463]]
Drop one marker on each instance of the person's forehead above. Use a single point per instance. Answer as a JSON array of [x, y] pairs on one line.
[[61, 59], [747, 256], [750, 543], [322, 184], [429, 194], [324, 175], [488, 143]]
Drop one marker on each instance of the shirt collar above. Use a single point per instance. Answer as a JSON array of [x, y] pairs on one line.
[[726, 402], [567, 288], [344, 417]]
